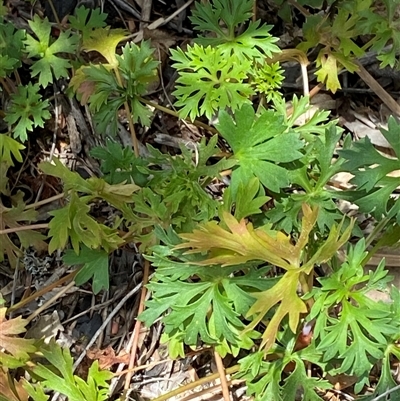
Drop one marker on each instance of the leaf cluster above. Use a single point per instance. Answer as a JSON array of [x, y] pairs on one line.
[[372, 174], [202, 303], [106, 88], [351, 329], [216, 72], [339, 30]]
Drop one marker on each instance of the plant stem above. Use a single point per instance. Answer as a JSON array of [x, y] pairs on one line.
[[44, 201], [128, 115], [222, 376], [377, 229], [138, 324], [23, 228], [175, 114]]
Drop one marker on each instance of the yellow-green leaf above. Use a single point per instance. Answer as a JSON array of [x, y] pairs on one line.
[[284, 293], [105, 41], [328, 71]]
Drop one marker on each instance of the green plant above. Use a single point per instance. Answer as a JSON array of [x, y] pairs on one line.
[[338, 32], [217, 72], [253, 273], [55, 374], [28, 110], [49, 63]]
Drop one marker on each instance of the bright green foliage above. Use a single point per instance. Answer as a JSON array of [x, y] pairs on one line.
[[357, 332], [268, 79], [249, 199], [209, 81], [14, 351], [46, 50], [215, 74], [95, 264], [28, 110], [58, 376], [222, 18], [119, 164], [86, 23], [257, 143], [371, 169], [266, 379], [232, 13], [11, 46]]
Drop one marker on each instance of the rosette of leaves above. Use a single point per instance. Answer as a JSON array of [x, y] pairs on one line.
[[106, 88], [214, 73], [209, 81], [231, 242], [46, 50], [267, 79], [220, 19], [27, 110]]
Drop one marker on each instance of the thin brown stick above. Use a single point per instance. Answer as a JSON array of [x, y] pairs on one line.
[[135, 142], [44, 201], [137, 326], [23, 228], [378, 89], [190, 386], [48, 303], [295, 4], [42, 291], [175, 114], [222, 376]]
